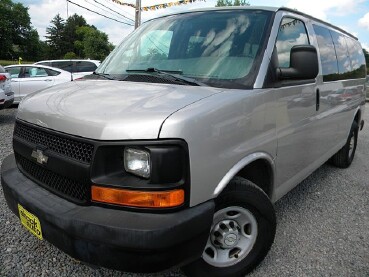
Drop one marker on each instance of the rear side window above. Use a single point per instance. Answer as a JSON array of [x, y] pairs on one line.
[[85, 66], [327, 53], [34, 72], [291, 32], [2, 70], [65, 65], [45, 63], [357, 57], [341, 57], [343, 60], [14, 71], [51, 72]]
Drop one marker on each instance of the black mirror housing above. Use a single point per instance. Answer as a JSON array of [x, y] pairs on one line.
[[303, 64]]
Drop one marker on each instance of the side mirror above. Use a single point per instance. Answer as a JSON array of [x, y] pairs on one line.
[[303, 64]]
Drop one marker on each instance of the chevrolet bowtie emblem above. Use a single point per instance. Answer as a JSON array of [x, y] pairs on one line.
[[39, 156]]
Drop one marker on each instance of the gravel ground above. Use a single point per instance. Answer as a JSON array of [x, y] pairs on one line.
[[323, 227]]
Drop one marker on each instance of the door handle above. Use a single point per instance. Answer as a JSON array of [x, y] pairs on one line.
[[47, 80], [317, 99]]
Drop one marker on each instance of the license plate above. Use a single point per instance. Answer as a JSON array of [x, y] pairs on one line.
[[30, 221]]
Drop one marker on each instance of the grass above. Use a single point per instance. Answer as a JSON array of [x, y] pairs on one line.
[[9, 62]]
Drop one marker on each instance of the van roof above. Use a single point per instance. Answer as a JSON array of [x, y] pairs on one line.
[[264, 8]]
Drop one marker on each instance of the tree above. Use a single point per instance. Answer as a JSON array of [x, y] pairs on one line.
[[16, 32], [70, 35], [34, 49], [222, 3], [94, 43], [70, 55], [55, 37], [74, 38]]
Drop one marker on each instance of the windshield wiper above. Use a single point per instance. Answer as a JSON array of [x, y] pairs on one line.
[[104, 75], [172, 74]]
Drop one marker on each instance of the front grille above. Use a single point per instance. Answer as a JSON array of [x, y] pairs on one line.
[[65, 187], [80, 151]]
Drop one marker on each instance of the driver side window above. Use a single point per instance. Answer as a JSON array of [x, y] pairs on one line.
[[292, 32]]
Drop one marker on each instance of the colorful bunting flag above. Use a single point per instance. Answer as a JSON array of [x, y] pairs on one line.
[[159, 6]]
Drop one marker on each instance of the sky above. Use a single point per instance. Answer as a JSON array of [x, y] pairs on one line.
[[350, 15]]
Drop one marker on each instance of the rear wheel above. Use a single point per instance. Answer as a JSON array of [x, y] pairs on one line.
[[241, 234], [344, 157]]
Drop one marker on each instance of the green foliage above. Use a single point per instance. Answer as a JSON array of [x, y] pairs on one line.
[[11, 62], [17, 37], [55, 37], [94, 43], [70, 55], [74, 37], [222, 3], [70, 33]]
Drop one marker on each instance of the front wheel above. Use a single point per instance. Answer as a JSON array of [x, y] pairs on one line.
[[241, 234]]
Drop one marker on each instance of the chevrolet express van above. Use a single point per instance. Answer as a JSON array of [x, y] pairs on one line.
[[173, 152]]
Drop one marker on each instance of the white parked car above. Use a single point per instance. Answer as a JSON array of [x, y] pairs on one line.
[[6, 92], [78, 68], [28, 78]]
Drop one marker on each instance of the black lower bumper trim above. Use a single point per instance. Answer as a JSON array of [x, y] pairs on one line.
[[117, 239], [6, 104]]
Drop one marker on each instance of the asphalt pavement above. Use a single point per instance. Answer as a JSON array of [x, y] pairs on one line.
[[323, 226]]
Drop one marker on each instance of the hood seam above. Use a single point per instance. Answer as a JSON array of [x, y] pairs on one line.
[[161, 126]]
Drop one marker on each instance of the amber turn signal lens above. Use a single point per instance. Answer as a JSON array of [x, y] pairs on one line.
[[143, 199]]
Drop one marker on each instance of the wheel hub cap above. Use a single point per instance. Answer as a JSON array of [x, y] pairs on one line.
[[232, 236], [352, 145], [225, 234]]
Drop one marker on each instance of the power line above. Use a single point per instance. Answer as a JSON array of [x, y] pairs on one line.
[[114, 11], [126, 23], [118, 7], [99, 8]]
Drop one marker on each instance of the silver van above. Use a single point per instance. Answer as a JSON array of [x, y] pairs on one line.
[[173, 152]]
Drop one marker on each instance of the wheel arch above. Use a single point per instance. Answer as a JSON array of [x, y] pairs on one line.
[[357, 117], [250, 168]]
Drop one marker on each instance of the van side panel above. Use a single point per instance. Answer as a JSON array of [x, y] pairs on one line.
[[309, 137], [221, 130]]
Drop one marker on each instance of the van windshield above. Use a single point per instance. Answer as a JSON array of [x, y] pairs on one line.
[[219, 48]]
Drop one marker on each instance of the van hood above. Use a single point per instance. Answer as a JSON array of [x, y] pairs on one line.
[[109, 110]]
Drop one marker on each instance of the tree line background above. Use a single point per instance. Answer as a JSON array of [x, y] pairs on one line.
[[70, 38], [65, 39]]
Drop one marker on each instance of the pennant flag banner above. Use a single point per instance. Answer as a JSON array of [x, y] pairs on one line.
[[160, 6], [124, 4]]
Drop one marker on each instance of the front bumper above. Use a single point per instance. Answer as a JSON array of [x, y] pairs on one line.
[[117, 239]]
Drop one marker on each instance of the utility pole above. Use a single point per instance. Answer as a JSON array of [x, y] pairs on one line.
[[138, 14]]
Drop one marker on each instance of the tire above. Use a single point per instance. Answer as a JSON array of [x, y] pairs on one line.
[[344, 157], [243, 243]]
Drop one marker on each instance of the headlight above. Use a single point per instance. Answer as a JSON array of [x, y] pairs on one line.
[[137, 162]]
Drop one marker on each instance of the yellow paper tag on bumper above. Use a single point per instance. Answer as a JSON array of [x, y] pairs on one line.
[[30, 221]]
